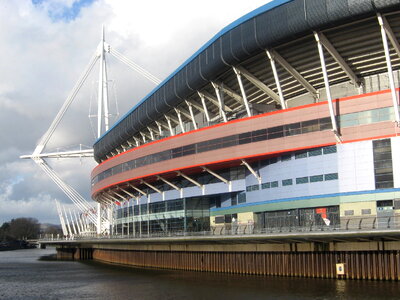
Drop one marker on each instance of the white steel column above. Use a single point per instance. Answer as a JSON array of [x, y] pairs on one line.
[[390, 70], [203, 102], [72, 221], [101, 89], [153, 188], [137, 189], [327, 87], [295, 74], [191, 114], [99, 229], [159, 128], [67, 221], [276, 77], [151, 133], [229, 183], [105, 90], [191, 180], [246, 102], [137, 141], [78, 224], [220, 104], [258, 177], [180, 119], [171, 131], [62, 221], [143, 137]]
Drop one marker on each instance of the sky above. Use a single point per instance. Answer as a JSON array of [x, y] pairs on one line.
[[47, 44]]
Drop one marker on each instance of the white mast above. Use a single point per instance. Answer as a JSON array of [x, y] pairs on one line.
[[100, 219]]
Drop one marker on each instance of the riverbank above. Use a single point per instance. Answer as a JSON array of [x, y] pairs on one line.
[[24, 276], [15, 245]]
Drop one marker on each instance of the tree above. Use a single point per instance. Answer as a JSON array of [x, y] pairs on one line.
[[5, 232], [24, 228]]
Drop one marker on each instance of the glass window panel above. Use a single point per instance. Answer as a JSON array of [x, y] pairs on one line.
[[189, 149], [302, 154], [266, 185], [287, 182], [301, 180], [315, 152], [331, 176], [244, 138], [273, 160], [316, 178], [366, 211], [233, 199], [274, 184], [286, 157], [275, 132], [259, 135], [325, 123], [241, 197], [384, 185], [292, 129], [310, 126], [330, 149]]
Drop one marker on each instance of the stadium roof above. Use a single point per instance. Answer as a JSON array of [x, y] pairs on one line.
[[270, 25]]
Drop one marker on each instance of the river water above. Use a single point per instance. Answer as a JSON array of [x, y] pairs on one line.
[[24, 276]]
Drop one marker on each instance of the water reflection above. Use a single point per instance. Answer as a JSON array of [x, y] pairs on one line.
[[23, 276]]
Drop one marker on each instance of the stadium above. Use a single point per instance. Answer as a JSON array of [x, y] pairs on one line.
[[287, 118]]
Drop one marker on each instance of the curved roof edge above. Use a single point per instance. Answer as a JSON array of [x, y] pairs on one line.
[[266, 7]]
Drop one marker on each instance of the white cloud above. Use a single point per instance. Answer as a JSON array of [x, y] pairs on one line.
[[42, 59]]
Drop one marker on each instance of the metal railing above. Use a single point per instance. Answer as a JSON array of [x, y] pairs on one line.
[[359, 224]]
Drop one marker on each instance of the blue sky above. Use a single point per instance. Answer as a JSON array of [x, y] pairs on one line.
[[59, 11]]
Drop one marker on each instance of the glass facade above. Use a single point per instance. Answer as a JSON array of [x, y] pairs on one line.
[[164, 217], [383, 166], [300, 217]]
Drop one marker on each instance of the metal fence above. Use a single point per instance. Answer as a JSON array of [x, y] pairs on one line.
[[359, 224]]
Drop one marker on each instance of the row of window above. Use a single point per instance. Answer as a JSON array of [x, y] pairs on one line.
[[192, 206], [228, 141], [299, 217], [376, 115], [289, 181], [383, 166]]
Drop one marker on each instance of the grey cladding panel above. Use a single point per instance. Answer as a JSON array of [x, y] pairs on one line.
[[382, 4], [264, 32], [316, 13], [297, 23], [193, 74], [141, 115], [150, 108], [360, 7], [226, 50], [181, 88], [272, 27], [249, 40], [169, 92], [238, 51], [161, 105], [210, 61], [337, 10], [278, 23]]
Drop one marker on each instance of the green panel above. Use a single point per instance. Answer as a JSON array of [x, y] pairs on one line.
[[369, 197], [316, 202]]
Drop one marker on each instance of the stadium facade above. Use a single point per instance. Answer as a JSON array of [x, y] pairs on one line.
[[288, 117]]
